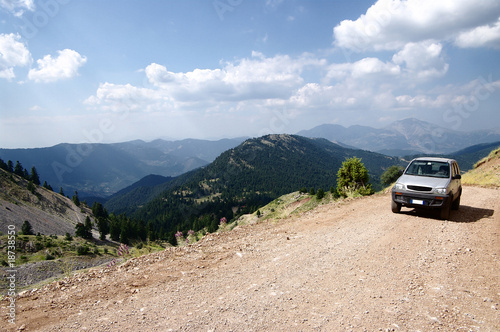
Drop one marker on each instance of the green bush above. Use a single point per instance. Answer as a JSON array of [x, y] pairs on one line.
[[390, 175], [82, 250], [352, 178]]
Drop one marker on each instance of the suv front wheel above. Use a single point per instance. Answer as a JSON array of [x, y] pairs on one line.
[[445, 210], [395, 207]]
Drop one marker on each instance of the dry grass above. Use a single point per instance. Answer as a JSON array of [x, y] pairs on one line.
[[486, 172]]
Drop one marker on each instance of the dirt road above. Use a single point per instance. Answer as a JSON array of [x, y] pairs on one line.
[[350, 266]]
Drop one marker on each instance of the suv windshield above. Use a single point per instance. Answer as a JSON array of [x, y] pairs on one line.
[[429, 168]]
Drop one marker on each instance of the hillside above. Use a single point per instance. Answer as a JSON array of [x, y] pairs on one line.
[[486, 172], [404, 137], [48, 213], [139, 193], [244, 178], [103, 169]]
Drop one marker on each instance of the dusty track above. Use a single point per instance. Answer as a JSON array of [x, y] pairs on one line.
[[346, 266]]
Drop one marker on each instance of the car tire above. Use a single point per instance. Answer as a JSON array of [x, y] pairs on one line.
[[456, 203], [395, 207], [445, 211]]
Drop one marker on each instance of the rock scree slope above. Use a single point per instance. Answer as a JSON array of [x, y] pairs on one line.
[[350, 265]]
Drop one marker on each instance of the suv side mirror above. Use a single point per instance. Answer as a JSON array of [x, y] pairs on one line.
[[457, 177], [400, 172]]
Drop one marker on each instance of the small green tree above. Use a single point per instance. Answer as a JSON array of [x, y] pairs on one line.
[[26, 228], [18, 169], [31, 187], [320, 193], [103, 227], [75, 198], [352, 178], [390, 175], [34, 176], [84, 230]]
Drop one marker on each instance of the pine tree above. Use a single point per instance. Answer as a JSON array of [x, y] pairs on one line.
[[26, 228], [31, 187], [103, 227], [88, 226], [18, 169], [3, 165], [34, 176], [75, 198], [84, 230]]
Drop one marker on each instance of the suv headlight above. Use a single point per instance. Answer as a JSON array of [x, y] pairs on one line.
[[441, 191], [399, 186]]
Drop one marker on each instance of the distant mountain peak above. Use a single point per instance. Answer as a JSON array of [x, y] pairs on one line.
[[404, 137]]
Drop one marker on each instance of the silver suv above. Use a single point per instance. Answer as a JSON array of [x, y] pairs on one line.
[[429, 183]]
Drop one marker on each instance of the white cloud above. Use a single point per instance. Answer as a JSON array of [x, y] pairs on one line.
[[391, 24], [13, 53], [64, 66], [486, 35], [423, 60], [125, 98], [257, 77], [17, 7], [371, 69], [249, 84]]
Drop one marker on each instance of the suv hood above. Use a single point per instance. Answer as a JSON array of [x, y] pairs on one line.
[[425, 181]]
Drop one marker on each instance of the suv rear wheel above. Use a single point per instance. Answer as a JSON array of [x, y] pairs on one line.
[[456, 203]]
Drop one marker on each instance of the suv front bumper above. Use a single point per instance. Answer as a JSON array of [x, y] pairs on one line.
[[416, 199]]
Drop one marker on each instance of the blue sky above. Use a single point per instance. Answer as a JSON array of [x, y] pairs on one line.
[[109, 71]]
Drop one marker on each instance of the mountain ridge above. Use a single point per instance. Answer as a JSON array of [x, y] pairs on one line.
[[404, 137], [100, 170]]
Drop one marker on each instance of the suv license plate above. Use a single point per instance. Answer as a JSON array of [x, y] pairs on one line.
[[417, 201]]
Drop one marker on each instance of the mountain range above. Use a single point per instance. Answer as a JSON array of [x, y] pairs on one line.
[[98, 171], [103, 169], [240, 180], [405, 137]]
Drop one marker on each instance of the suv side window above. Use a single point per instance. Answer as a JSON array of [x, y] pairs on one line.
[[456, 170]]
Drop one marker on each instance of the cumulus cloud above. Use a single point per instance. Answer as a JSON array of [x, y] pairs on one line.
[[233, 87], [362, 69], [125, 98], [423, 60], [13, 53], [64, 66], [17, 7], [486, 35], [257, 77], [391, 24]]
